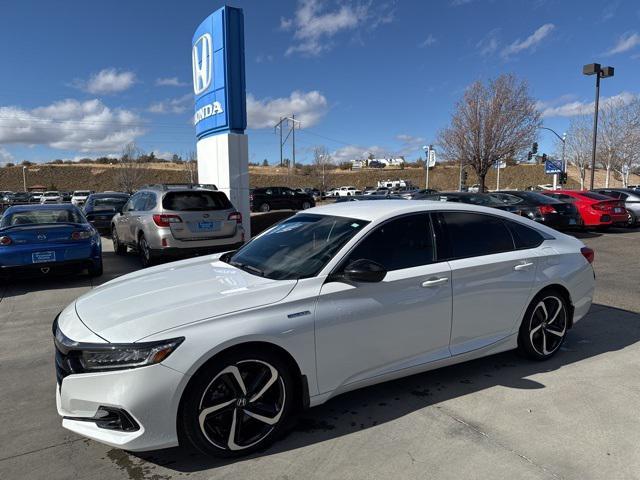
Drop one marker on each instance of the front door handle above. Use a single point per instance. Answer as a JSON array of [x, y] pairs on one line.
[[523, 266], [434, 282]]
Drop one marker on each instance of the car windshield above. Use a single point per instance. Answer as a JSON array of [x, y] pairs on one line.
[[296, 248], [108, 203], [81, 193], [39, 217]]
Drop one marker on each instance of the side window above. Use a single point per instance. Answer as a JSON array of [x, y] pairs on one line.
[[150, 202], [523, 236], [401, 243], [131, 204], [139, 201], [473, 234]]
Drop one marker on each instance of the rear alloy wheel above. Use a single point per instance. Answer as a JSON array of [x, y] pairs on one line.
[[631, 219], [544, 327], [144, 252], [306, 205], [118, 248], [264, 207], [239, 408]]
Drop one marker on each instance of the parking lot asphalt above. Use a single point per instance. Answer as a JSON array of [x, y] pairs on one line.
[[574, 416]]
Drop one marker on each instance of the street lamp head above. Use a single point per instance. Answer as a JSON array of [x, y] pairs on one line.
[[591, 69], [606, 72], [425, 148]]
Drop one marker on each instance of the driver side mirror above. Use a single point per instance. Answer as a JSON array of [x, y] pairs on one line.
[[364, 270]]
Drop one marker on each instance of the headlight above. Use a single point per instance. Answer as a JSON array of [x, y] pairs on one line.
[[111, 357]]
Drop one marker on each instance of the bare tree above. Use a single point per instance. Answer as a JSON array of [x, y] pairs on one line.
[[130, 171], [491, 123], [191, 167], [323, 166], [628, 146], [578, 145]]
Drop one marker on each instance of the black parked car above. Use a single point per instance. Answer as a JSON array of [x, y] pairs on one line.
[[541, 208], [359, 198], [481, 199], [99, 208], [279, 198], [19, 198]]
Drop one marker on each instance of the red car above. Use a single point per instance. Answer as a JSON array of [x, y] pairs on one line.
[[596, 210]]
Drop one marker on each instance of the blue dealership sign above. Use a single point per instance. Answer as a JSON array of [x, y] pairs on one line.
[[218, 74], [551, 167]]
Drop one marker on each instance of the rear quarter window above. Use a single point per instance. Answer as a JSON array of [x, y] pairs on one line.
[[525, 237], [195, 201]]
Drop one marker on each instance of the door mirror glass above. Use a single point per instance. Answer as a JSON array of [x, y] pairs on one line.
[[364, 270]]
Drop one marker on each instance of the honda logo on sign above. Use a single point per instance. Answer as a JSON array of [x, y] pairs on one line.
[[202, 63]]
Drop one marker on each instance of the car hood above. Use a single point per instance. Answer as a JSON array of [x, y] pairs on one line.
[[149, 301]]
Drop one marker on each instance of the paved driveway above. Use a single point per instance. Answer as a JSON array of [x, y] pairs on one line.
[[574, 416]]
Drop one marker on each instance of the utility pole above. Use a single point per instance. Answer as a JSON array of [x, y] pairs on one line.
[[24, 178], [292, 132]]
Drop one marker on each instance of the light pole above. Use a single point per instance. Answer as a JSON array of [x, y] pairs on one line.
[[427, 153], [599, 72], [24, 177]]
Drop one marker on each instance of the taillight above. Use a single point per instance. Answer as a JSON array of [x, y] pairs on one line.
[[80, 235], [546, 209], [237, 216], [4, 241], [588, 253], [166, 220], [602, 207]]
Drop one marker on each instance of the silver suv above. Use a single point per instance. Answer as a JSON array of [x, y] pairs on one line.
[[162, 221]]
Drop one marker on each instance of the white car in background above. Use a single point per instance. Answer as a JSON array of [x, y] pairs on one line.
[[218, 351], [348, 191], [51, 197], [79, 197]]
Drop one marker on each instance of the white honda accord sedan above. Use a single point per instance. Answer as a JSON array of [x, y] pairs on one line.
[[217, 351]]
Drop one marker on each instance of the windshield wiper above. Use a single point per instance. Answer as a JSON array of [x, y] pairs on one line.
[[248, 268]]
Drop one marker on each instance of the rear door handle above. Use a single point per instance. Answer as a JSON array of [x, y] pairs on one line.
[[523, 266], [434, 282]]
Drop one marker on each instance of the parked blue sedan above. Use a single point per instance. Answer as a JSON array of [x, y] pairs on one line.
[[46, 238]]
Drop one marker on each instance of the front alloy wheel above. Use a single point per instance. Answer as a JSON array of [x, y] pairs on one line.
[[545, 326], [240, 409]]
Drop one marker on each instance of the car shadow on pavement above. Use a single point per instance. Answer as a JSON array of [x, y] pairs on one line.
[[114, 266], [604, 329]]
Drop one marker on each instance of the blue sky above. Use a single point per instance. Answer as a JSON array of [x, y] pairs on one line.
[[81, 78]]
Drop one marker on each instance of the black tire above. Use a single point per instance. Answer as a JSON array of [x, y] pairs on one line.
[[545, 325], [95, 270], [118, 247], [631, 220], [305, 205], [215, 385], [144, 252], [264, 207]]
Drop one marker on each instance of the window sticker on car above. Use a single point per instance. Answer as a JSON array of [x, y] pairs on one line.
[[355, 225]]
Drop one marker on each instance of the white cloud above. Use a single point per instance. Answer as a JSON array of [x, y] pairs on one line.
[[489, 44], [264, 58], [172, 105], [163, 155], [529, 43], [170, 82], [107, 81], [565, 107], [428, 42], [5, 155], [314, 26], [88, 126], [625, 43], [309, 108]]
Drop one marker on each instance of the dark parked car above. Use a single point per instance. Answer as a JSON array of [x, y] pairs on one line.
[[541, 208], [99, 208], [279, 198], [631, 199], [482, 199], [376, 164], [19, 198]]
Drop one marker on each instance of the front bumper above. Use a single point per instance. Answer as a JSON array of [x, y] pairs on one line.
[[149, 395]]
